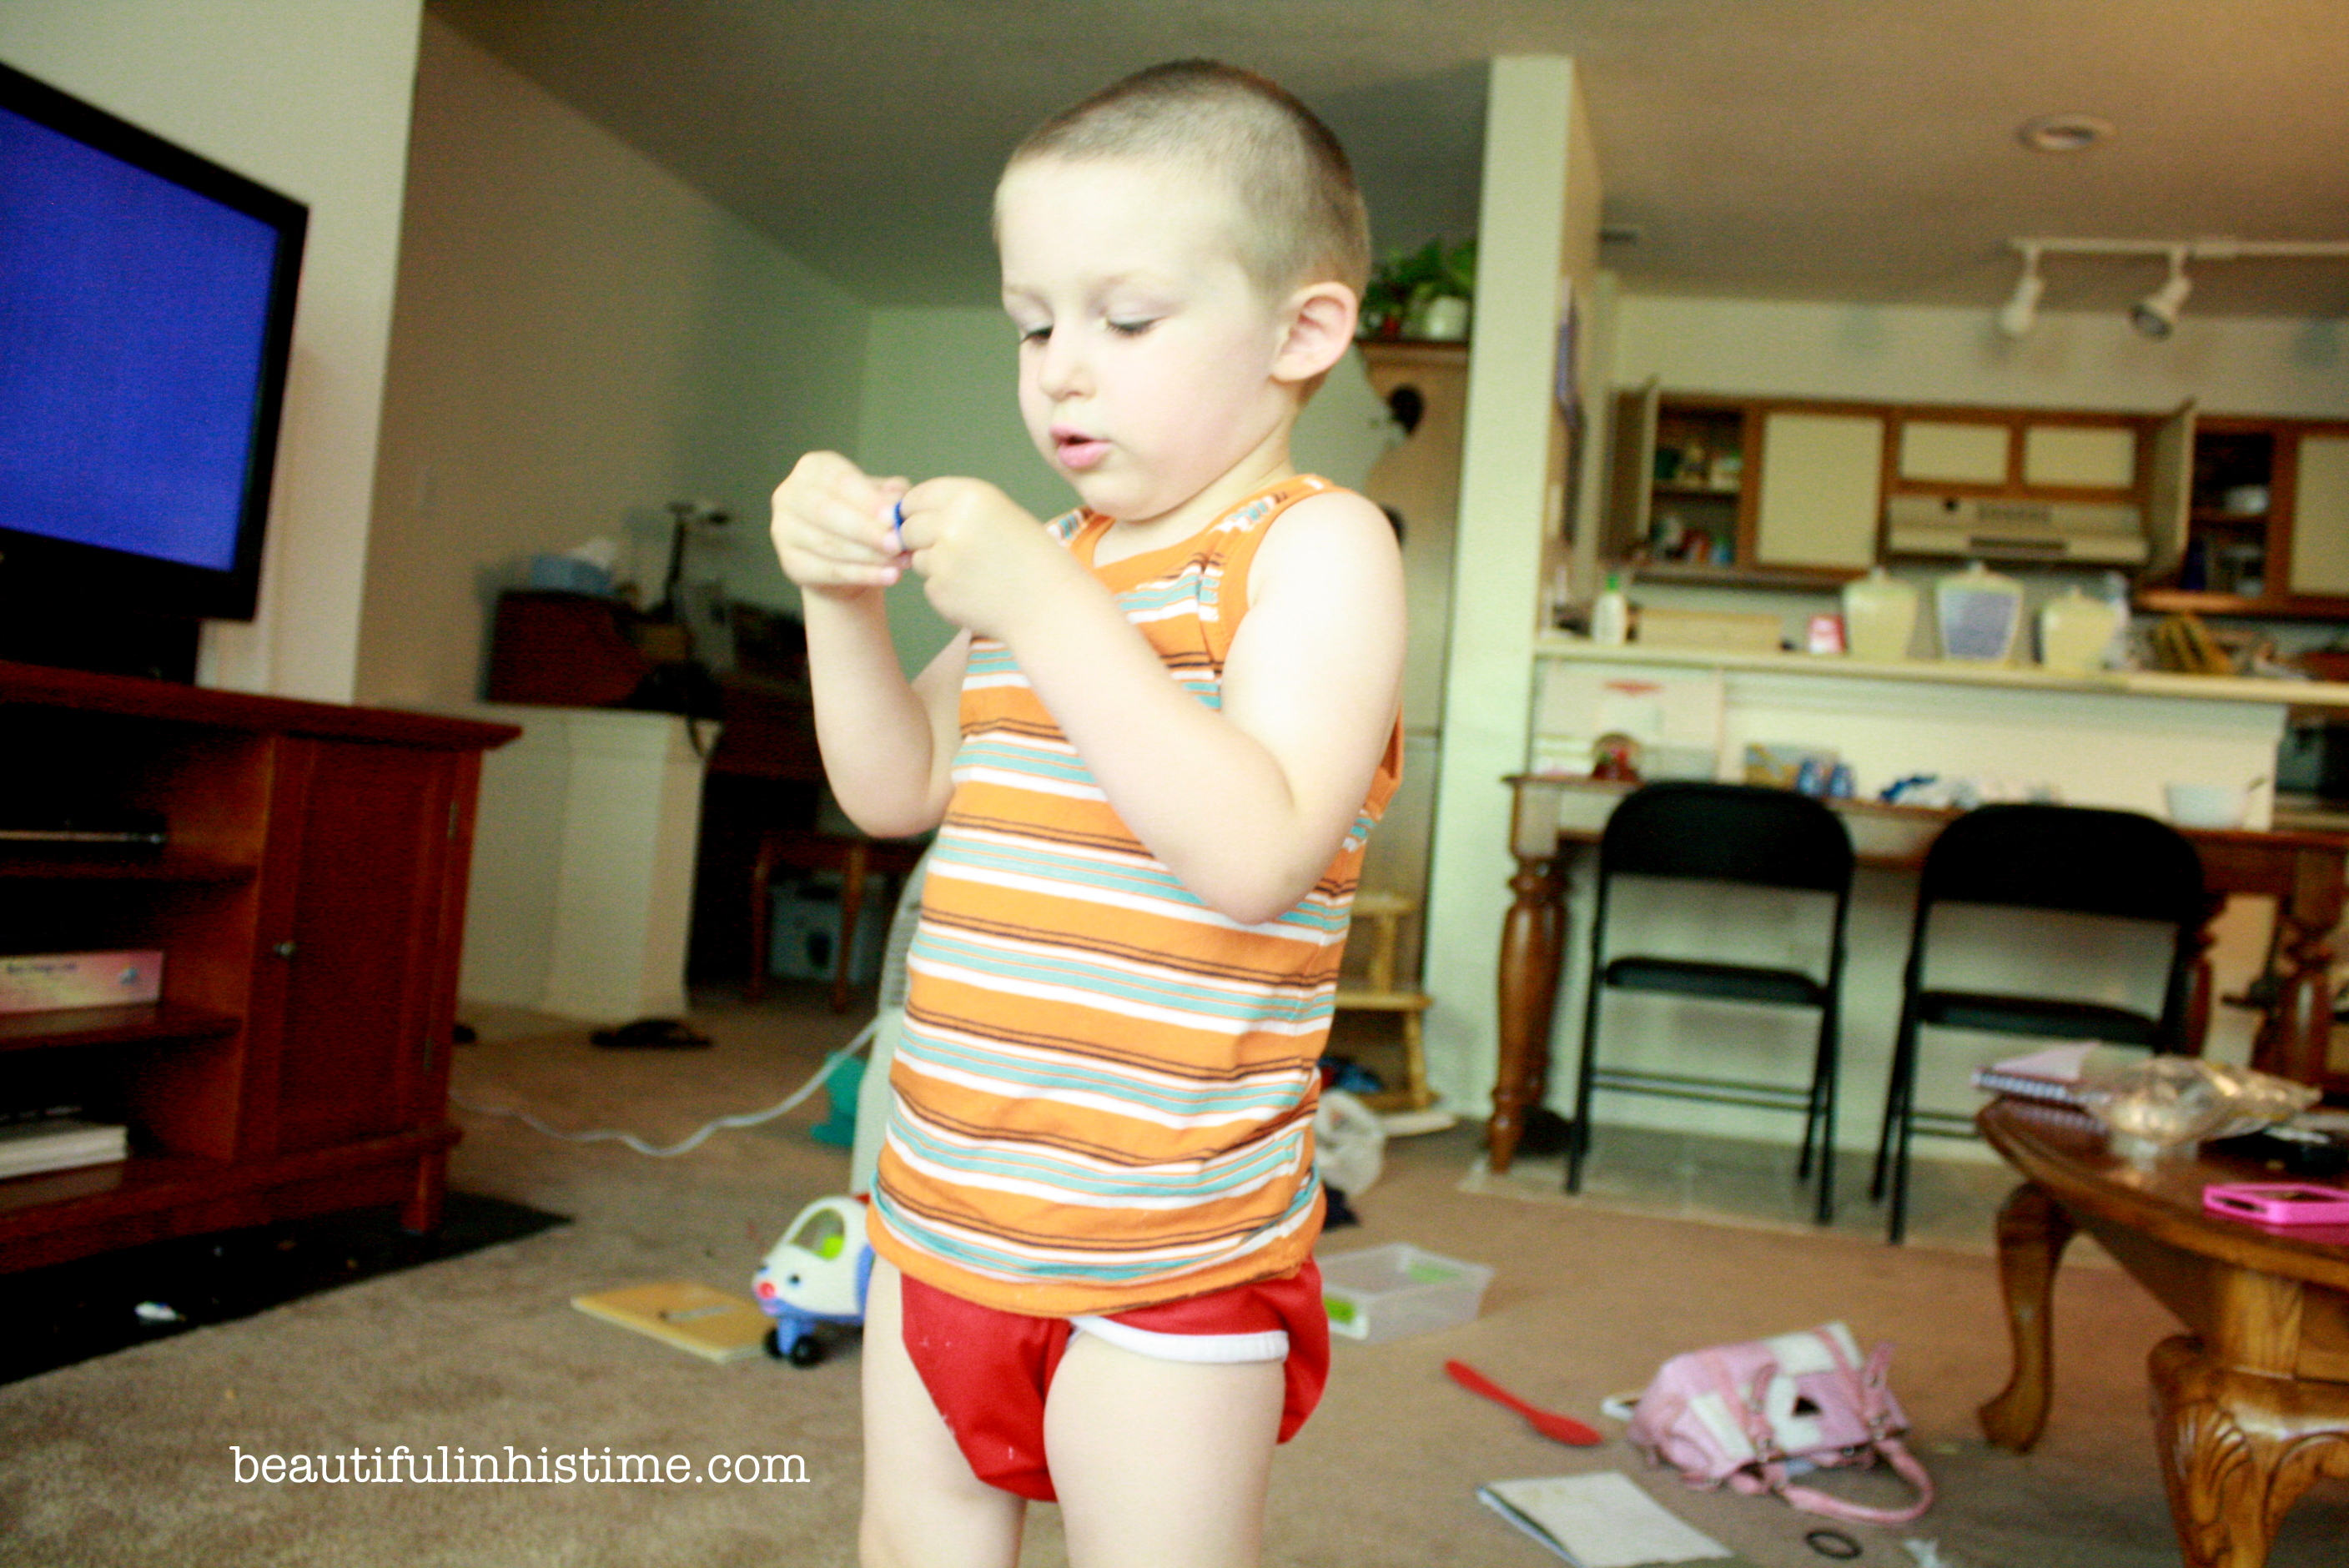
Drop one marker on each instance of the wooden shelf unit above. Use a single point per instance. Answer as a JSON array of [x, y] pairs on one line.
[[309, 906]]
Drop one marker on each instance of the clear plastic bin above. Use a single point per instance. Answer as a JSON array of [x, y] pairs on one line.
[[1385, 1293]]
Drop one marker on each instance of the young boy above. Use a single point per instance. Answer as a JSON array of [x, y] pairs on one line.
[[1156, 748]]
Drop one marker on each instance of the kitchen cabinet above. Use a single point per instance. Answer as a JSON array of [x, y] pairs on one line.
[[1677, 492], [2244, 515], [1727, 488], [307, 900], [2251, 517], [1820, 490], [2319, 519], [2015, 453]]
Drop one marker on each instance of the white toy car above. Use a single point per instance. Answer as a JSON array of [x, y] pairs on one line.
[[818, 1274]]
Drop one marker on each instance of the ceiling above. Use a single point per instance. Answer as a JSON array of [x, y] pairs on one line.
[[1859, 150]]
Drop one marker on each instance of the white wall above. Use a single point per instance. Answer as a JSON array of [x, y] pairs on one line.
[[940, 397], [1914, 354], [1535, 192], [580, 339], [311, 99]]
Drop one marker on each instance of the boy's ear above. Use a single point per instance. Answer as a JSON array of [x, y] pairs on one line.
[[1321, 328]]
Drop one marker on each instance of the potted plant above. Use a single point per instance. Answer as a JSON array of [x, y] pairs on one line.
[[1422, 293]]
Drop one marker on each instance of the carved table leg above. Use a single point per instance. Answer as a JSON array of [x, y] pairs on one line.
[[2238, 1448], [1530, 940], [2033, 1230]]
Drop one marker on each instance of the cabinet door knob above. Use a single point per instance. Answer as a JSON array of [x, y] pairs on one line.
[[284, 949]]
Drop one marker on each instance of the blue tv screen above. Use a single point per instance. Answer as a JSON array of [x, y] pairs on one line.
[[146, 313]]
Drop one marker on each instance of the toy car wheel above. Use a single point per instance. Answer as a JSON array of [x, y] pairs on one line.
[[774, 1343], [806, 1350]]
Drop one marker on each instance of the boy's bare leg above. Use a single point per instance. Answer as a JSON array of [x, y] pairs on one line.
[[922, 1506], [1160, 1464]]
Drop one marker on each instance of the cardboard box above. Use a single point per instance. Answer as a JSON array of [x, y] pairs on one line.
[[45, 982], [1724, 631]]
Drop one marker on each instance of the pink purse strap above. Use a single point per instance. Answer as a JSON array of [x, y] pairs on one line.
[[1894, 1452]]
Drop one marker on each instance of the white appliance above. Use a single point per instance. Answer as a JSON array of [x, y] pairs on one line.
[[2099, 533]]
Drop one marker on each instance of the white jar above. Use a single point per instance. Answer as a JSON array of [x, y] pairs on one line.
[[2075, 632], [1879, 615]]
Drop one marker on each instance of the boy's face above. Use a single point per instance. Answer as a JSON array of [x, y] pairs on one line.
[[1146, 352]]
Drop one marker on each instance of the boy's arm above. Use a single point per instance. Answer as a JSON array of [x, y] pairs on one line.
[[1246, 804], [887, 744]]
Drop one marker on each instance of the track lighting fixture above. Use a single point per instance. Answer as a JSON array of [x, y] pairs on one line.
[[2155, 315], [2015, 316]]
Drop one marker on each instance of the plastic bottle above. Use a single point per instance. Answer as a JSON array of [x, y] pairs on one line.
[[1611, 617]]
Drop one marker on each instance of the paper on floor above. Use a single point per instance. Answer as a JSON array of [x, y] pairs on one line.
[[1602, 1519]]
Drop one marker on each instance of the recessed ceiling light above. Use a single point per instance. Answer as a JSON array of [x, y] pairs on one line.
[[2064, 132]]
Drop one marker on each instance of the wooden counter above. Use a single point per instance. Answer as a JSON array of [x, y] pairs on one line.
[[1951, 671]]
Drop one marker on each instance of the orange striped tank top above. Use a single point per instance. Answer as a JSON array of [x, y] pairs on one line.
[[1103, 1095]]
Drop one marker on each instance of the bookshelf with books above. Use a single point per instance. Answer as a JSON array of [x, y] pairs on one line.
[[307, 898]]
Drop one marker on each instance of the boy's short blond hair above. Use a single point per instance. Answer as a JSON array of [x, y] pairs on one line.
[[1302, 218]]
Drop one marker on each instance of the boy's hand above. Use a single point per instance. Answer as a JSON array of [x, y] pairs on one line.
[[986, 564], [831, 528]]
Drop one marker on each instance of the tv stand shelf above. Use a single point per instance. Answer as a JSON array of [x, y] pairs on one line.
[[128, 865], [113, 1026], [308, 904]]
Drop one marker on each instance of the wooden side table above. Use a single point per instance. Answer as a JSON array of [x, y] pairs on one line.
[[2252, 1404], [854, 858]]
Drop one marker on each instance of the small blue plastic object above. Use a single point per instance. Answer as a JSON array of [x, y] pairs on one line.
[[897, 522]]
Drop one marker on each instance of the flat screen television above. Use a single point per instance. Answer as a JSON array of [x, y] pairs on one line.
[[146, 318]]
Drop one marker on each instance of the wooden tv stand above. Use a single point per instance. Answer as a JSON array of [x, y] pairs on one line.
[[309, 904]]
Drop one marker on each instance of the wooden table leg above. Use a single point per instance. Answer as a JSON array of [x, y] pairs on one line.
[[2294, 1039], [2033, 1230], [2238, 1448], [1530, 942]]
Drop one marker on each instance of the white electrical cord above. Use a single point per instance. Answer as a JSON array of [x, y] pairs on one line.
[[603, 1135]]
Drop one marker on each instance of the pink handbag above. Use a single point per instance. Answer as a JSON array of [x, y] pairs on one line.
[[1752, 1414]]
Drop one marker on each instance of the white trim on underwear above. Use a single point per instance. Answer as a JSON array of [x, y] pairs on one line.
[[1266, 1345]]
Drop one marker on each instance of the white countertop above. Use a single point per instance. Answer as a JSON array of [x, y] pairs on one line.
[[2132, 683]]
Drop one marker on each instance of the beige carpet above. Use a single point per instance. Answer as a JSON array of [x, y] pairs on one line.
[[130, 1460]]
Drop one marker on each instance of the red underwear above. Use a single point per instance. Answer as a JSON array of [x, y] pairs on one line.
[[988, 1371]]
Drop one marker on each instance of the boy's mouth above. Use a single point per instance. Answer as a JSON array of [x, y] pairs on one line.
[[1077, 451]]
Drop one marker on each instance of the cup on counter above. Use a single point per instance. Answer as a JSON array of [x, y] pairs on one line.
[[2207, 805]]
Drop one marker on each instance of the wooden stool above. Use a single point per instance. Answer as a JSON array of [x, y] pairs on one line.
[[1384, 912], [855, 857]]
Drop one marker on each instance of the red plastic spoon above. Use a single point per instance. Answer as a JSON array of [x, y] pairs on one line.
[[1548, 1423]]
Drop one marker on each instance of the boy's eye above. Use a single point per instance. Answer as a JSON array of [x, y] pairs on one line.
[[1035, 334], [1131, 328]]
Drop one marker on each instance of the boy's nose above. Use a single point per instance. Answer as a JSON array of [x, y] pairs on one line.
[[1061, 368]]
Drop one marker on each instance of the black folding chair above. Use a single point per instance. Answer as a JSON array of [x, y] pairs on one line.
[[2120, 865], [1722, 833]]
